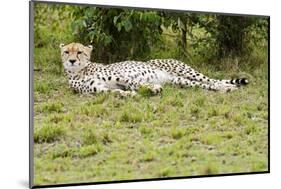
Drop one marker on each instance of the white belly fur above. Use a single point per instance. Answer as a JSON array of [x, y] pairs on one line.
[[162, 77]]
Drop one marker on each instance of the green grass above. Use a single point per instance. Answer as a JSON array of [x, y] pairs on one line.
[[48, 133], [181, 132]]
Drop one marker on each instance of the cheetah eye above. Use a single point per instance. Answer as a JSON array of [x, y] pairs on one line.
[[66, 52], [79, 52]]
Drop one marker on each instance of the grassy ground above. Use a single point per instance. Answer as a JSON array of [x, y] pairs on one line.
[[181, 132]]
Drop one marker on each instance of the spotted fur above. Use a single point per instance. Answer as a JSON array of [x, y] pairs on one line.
[[128, 76]]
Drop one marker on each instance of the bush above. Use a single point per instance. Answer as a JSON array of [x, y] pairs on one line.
[[48, 133], [117, 34]]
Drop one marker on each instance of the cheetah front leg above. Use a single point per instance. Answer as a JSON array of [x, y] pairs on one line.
[[134, 85], [123, 93], [116, 91], [95, 86]]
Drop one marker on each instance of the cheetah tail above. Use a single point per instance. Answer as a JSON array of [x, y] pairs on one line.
[[239, 81]]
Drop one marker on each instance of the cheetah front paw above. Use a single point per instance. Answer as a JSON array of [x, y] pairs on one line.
[[156, 89], [128, 93]]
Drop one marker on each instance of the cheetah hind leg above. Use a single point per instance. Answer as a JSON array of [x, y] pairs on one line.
[[183, 82]]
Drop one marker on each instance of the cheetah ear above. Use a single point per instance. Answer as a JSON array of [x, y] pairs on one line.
[[61, 45], [90, 47], [88, 50]]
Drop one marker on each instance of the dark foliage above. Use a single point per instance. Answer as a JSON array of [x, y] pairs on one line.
[[117, 34]]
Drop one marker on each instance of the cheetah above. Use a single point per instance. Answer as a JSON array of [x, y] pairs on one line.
[[126, 77]]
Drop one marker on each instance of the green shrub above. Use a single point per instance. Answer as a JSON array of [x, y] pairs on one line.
[[177, 133], [52, 107], [86, 151], [49, 133], [132, 117], [90, 137]]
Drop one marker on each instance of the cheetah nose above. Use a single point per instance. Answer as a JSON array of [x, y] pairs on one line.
[[72, 61]]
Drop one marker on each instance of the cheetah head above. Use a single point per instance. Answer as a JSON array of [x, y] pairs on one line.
[[75, 56]]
